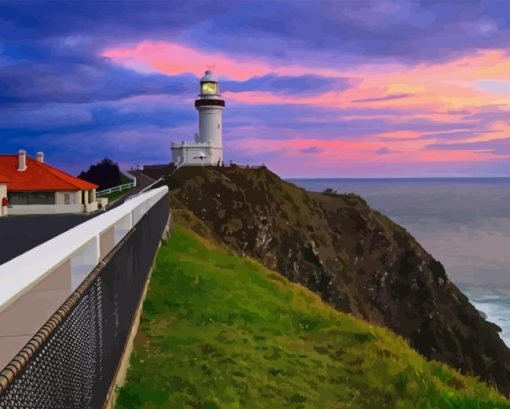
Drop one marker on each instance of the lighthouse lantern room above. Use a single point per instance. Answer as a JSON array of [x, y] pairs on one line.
[[207, 149]]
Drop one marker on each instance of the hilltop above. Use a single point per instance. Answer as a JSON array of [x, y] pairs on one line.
[[355, 258], [222, 331]]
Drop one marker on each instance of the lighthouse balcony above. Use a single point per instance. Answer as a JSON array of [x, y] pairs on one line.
[[190, 144], [209, 103]]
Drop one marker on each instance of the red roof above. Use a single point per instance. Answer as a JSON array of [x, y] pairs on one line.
[[4, 179], [38, 176]]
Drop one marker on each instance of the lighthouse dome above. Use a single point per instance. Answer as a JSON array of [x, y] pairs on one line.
[[209, 77]]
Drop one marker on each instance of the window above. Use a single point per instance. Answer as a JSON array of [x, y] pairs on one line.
[[31, 198], [67, 198], [209, 88]]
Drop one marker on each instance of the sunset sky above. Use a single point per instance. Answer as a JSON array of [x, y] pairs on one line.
[[313, 88]]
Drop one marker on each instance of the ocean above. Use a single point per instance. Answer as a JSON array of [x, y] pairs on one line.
[[464, 223]]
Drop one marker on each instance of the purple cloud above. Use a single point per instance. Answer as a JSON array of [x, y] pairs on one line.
[[287, 85], [494, 146], [460, 134], [385, 98], [385, 151], [311, 150], [59, 95]]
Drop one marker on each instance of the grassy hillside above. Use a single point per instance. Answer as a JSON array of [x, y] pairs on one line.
[[357, 260], [219, 331]]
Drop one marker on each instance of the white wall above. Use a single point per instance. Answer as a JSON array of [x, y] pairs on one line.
[[190, 152], [45, 209], [91, 207], [177, 157], [74, 206], [3, 193], [74, 197], [210, 125]]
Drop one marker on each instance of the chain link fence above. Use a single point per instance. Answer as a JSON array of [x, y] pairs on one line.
[[72, 361]]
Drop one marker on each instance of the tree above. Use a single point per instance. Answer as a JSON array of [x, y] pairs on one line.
[[105, 174]]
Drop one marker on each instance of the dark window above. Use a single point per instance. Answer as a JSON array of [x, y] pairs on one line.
[[31, 198]]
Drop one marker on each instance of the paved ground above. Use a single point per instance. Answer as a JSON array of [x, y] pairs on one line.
[[19, 234], [142, 181]]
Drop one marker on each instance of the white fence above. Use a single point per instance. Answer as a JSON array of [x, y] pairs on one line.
[[119, 188], [34, 284], [129, 176]]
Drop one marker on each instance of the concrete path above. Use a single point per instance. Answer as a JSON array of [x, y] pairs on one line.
[[142, 181], [19, 234]]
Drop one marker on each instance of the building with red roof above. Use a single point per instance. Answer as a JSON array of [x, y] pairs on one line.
[[31, 186]]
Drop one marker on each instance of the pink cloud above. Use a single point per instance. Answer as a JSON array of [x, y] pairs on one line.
[[435, 87], [441, 93], [174, 59], [330, 152]]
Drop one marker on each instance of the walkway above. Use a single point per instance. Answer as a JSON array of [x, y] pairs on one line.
[[19, 234], [142, 181]]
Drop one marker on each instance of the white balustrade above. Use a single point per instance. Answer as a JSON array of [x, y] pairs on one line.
[[36, 283], [81, 245]]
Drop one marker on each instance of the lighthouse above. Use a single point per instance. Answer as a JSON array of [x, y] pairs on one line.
[[207, 148]]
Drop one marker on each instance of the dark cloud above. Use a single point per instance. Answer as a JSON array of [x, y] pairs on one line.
[[59, 95], [324, 32], [333, 123], [85, 80], [334, 33], [110, 21], [287, 85]]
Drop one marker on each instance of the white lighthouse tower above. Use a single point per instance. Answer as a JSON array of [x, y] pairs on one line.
[[207, 149]]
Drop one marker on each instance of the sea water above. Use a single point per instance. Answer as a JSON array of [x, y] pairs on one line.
[[463, 223]]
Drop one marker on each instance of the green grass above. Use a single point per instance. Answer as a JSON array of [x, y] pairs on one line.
[[219, 331], [116, 195]]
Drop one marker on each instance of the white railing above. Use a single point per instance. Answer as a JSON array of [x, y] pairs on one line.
[[77, 250], [146, 188], [129, 176], [119, 188]]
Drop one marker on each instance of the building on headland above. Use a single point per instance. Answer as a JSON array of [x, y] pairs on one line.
[[30, 186], [207, 149]]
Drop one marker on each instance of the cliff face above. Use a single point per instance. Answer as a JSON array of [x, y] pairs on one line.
[[354, 257]]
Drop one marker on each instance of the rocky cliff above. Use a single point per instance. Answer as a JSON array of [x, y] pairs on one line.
[[353, 256]]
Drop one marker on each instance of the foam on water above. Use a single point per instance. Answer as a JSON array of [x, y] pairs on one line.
[[497, 310]]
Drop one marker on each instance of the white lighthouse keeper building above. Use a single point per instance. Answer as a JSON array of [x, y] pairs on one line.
[[207, 149]]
